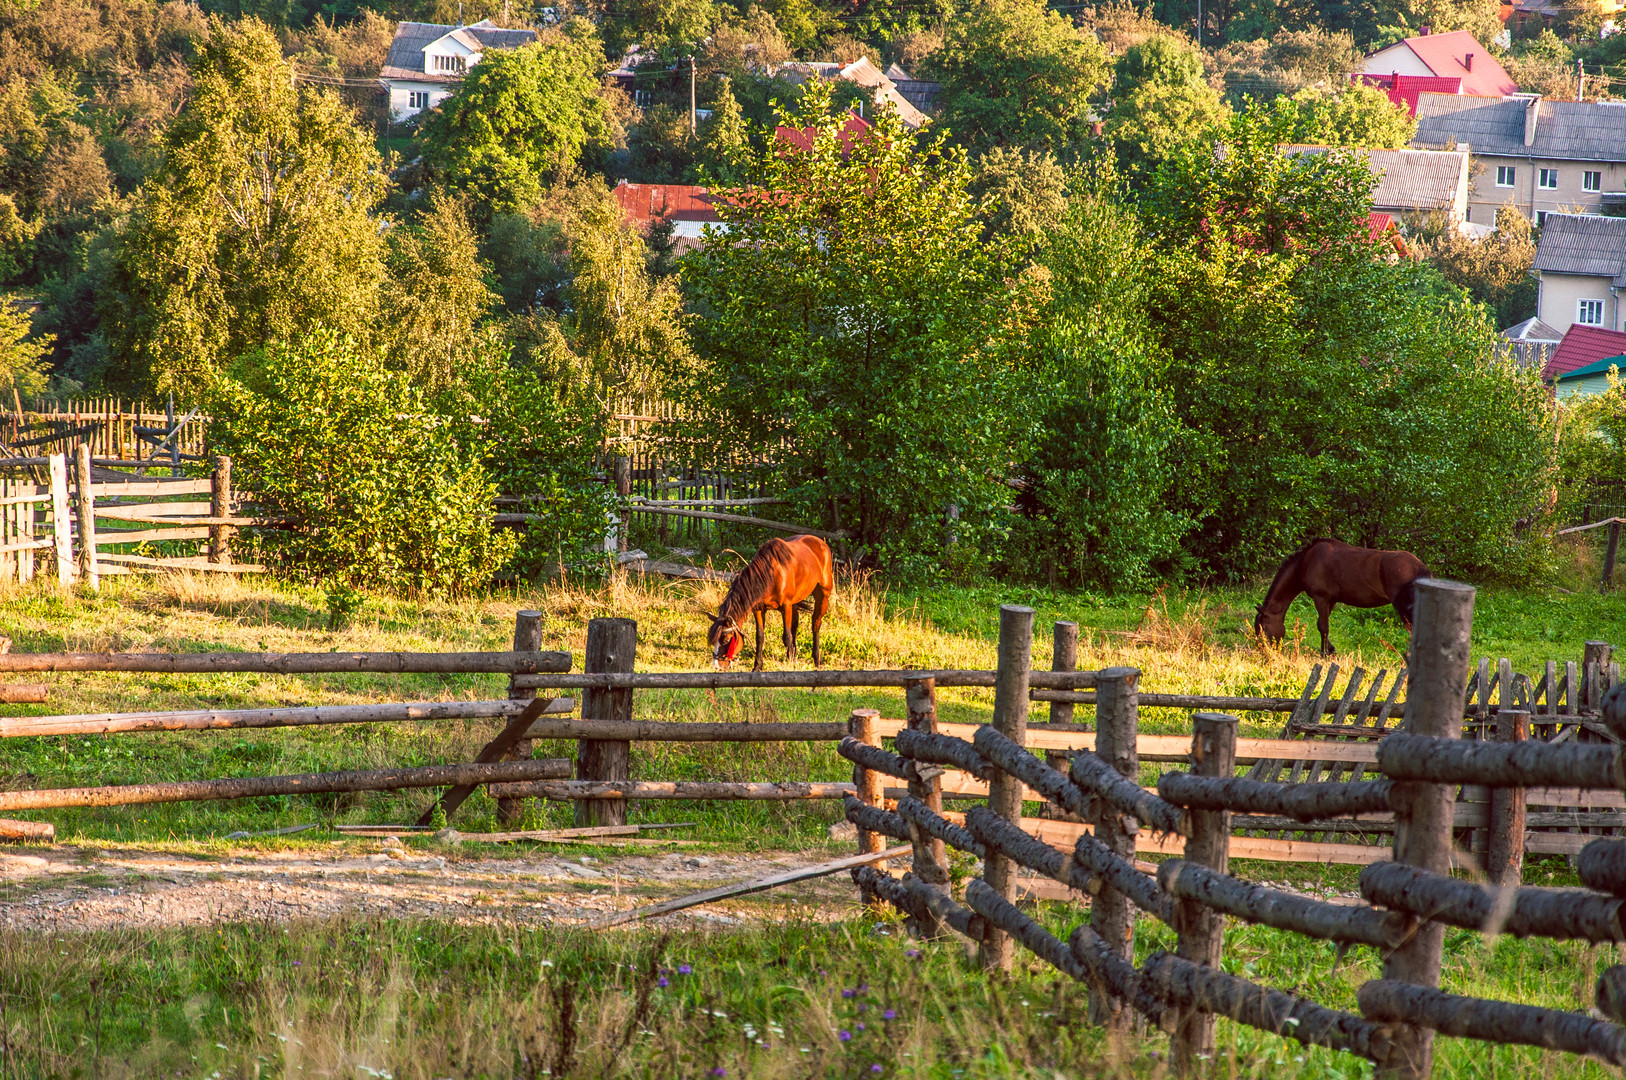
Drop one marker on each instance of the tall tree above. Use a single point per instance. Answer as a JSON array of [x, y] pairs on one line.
[[521, 118], [258, 224], [436, 294], [1016, 74]]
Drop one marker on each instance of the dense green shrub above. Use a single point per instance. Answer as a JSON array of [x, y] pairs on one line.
[[377, 488]]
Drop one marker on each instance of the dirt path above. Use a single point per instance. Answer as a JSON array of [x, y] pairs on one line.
[[69, 888]]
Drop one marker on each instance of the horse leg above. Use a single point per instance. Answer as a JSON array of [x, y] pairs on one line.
[[1323, 609], [1405, 602], [821, 600], [761, 617], [789, 617]]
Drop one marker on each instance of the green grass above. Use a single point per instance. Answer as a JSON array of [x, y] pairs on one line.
[[433, 999]]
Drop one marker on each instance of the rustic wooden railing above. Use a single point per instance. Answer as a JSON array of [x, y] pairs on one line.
[[1410, 897]]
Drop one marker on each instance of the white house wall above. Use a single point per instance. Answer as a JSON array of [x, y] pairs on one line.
[[1561, 295], [1396, 60], [401, 107]]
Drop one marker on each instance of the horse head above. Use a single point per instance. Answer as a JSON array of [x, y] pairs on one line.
[[1273, 626], [725, 638]]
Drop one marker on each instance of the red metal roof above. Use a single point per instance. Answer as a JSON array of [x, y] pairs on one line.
[[1446, 55], [646, 203], [1404, 90], [1583, 345], [802, 138]]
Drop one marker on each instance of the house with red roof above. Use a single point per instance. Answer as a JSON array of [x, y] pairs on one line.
[[1580, 364], [687, 206], [1404, 90], [1457, 55]]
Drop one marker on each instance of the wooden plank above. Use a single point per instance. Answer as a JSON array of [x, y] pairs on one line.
[[149, 487], [1175, 748], [395, 663], [107, 537], [197, 562]]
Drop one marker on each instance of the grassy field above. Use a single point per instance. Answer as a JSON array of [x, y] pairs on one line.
[[431, 999]]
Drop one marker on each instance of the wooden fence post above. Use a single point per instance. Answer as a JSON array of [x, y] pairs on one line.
[[930, 854], [1117, 722], [861, 726], [1594, 665], [1004, 790], [220, 505], [1438, 663], [61, 527], [621, 475], [611, 647], [1202, 930], [527, 638], [1063, 657], [1504, 843], [88, 569], [1609, 555]]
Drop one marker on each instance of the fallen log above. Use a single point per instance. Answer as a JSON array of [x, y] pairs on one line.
[[38, 831], [298, 784], [1105, 782], [502, 663], [745, 888], [1602, 866], [572, 790], [723, 680], [875, 759], [1271, 907], [943, 750], [1404, 756], [1010, 756], [14, 727], [1194, 986], [1525, 911], [935, 825], [1302, 802], [1389, 1000], [874, 819]]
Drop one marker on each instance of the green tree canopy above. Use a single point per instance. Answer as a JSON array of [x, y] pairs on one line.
[[1164, 59], [258, 224], [1356, 115], [521, 118], [1017, 74], [1155, 119]]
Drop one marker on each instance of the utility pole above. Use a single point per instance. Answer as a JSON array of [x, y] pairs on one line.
[[1580, 78], [694, 123], [1199, 24]]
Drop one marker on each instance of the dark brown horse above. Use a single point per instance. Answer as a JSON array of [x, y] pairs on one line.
[[783, 574], [1334, 572]]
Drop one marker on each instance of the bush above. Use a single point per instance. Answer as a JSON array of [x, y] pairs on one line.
[[377, 489]]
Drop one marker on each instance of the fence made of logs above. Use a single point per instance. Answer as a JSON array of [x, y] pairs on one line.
[[1410, 897]]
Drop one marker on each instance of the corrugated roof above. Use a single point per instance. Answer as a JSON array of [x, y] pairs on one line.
[[1410, 179], [645, 203], [1565, 130], [1583, 345], [1597, 367], [405, 58], [1532, 330], [921, 93], [1583, 244], [1459, 55], [1404, 90]]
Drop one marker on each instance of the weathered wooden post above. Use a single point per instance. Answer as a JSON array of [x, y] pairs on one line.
[[611, 647], [861, 726], [1609, 554], [89, 571], [220, 505], [1117, 722], [527, 638], [1005, 791], [1202, 930], [930, 854], [1063, 657], [1594, 664], [1504, 843], [621, 475], [61, 529], [1438, 662]]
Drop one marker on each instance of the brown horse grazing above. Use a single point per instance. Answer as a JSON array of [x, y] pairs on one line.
[[783, 574], [1334, 572]]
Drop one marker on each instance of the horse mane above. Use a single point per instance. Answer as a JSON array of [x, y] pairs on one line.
[[1292, 561], [749, 584]]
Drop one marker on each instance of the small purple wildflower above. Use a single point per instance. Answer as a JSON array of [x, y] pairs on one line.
[[875, 1068], [862, 987], [297, 963], [848, 993], [719, 1071], [662, 982], [913, 954], [684, 969], [889, 1015], [845, 1036], [860, 1027]]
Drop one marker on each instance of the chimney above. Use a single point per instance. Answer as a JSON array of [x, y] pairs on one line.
[[1468, 62], [1532, 113], [1423, 30]]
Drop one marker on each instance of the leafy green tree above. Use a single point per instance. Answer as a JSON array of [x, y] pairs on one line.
[[1017, 74], [258, 226], [1019, 194], [1495, 270], [659, 25], [378, 489], [1357, 116], [521, 118], [852, 318], [22, 359], [724, 140], [1164, 59], [435, 295], [1155, 120]]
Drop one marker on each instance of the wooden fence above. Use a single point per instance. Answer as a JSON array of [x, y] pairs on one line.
[[117, 432], [1410, 896]]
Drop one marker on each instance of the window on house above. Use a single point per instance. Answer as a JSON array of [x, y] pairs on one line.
[[643, 98], [418, 99], [449, 63], [1592, 181], [1541, 218], [1589, 312], [1549, 179], [1505, 175]]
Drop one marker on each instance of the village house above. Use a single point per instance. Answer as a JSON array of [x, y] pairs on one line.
[[1413, 185], [1453, 63], [1581, 264], [426, 61], [1542, 156]]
